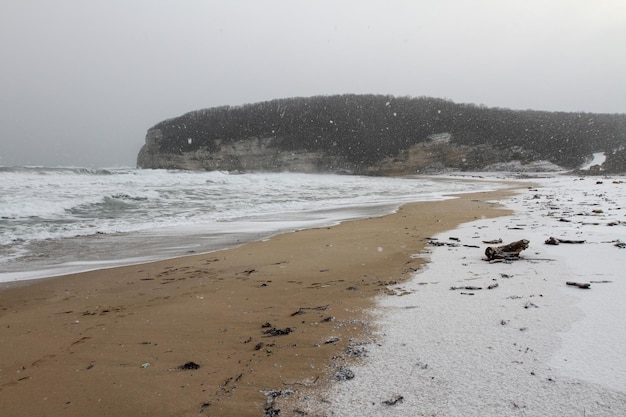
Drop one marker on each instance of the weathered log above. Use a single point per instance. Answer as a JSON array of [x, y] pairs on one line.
[[571, 241], [583, 285], [511, 250], [469, 287], [555, 241], [394, 401], [437, 243], [492, 242]]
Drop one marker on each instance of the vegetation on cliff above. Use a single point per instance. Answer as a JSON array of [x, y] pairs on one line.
[[373, 130]]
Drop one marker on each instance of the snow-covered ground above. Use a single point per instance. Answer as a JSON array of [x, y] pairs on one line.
[[530, 346]]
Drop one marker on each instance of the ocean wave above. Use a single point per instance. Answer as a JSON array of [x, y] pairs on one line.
[[61, 170], [41, 204]]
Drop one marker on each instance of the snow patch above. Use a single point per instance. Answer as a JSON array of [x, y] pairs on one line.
[[598, 158], [481, 351]]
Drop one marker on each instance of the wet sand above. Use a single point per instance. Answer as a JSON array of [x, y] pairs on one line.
[[264, 316]]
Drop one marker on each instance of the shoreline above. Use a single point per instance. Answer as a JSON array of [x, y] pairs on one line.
[[76, 254], [113, 342]]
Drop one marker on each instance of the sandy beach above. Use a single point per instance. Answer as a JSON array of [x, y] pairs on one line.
[[212, 334]]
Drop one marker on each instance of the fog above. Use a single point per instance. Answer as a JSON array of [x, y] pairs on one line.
[[82, 81]]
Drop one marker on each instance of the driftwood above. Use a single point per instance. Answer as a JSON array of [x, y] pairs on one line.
[[473, 288], [583, 285], [394, 400], [512, 250], [435, 242], [555, 241], [301, 310], [493, 242], [469, 287]]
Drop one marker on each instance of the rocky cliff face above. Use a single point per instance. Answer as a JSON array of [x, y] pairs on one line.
[[262, 154], [249, 154]]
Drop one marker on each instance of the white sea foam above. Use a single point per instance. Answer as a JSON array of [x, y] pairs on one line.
[[55, 217]]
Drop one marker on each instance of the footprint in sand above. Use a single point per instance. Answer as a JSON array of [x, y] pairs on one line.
[[42, 360], [81, 340]]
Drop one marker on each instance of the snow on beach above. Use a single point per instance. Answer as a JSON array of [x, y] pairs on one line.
[[474, 338]]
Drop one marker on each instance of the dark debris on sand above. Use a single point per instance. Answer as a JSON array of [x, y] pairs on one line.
[[188, 366]]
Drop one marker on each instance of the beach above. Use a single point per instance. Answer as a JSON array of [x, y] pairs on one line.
[[209, 334], [538, 335], [341, 320]]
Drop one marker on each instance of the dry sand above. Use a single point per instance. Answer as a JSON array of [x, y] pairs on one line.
[[110, 342]]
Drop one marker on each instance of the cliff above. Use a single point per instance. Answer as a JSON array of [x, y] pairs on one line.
[[246, 154], [380, 135]]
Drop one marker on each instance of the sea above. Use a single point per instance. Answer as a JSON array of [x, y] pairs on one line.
[[60, 220]]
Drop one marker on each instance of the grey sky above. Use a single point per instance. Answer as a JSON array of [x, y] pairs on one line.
[[82, 80]]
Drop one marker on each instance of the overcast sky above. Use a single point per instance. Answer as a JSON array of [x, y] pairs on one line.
[[82, 80]]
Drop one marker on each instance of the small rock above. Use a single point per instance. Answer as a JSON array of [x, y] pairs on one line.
[[344, 374], [356, 350], [551, 241], [189, 366]]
